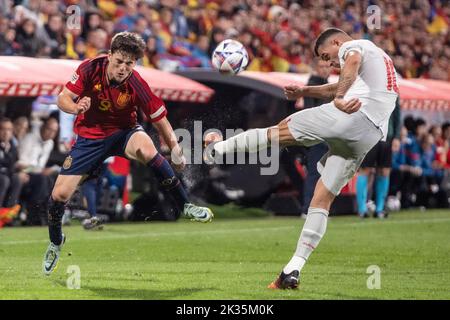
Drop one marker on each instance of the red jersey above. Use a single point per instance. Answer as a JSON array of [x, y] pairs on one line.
[[112, 107]]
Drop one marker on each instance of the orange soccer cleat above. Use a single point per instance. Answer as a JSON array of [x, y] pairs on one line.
[[8, 214]]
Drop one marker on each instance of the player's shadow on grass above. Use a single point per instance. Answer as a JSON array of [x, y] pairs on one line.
[[146, 294]]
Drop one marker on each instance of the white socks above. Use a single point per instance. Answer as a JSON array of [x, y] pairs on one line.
[[313, 230], [251, 140], [296, 263]]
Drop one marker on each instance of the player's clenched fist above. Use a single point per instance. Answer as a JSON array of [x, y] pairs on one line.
[[293, 92], [83, 105], [177, 159], [349, 107]]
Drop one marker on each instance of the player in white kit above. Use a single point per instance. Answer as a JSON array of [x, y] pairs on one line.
[[357, 118]]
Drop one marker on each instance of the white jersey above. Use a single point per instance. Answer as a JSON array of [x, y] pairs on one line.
[[376, 83]]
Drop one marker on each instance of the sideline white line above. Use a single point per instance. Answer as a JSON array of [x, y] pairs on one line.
[[225, 231]]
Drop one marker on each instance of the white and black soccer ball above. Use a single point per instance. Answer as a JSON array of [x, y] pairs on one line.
[[393, 204], [230, 57]]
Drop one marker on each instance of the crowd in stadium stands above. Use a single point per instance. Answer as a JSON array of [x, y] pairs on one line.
[[26, 174], [421, 165], [277, 33]]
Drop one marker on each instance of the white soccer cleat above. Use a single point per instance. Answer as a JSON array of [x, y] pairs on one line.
[[195, 213], [51, 257]]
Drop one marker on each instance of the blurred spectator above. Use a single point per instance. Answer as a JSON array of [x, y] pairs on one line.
[[8, 45], [444, 145], [128, 20], [151, 57], [91, 22], [21, 125], [431, 194], [10, 180], [200, 52], [441, 146], [420, 173], [412, 168], [57, 39], [29, 43], [96, 42], [34, 152]]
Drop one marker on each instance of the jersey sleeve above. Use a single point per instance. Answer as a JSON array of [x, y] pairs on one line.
[[152, 105], [346, 48], [77, 83]]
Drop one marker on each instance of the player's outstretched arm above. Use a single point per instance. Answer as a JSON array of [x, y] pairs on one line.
[[325, 91], [66, 104], [165, 131]]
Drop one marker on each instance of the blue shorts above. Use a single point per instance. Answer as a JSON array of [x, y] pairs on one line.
[[88, 155]]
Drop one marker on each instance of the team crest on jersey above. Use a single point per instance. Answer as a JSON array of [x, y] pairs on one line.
[[98, 87], [123, 99], [67, 163], [75, 77]]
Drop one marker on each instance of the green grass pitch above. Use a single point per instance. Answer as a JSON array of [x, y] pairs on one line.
[[234, 259]]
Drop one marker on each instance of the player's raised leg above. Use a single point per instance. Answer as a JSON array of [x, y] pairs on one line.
[[254, 140], [63, 190], [141, 148]]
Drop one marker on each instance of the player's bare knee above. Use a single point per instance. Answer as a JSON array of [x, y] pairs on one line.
[[61, 194], [282, 133], [144, 155], [273, 133]]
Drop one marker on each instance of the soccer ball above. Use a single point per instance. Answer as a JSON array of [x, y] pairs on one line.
[[393, 203], [230, 57]]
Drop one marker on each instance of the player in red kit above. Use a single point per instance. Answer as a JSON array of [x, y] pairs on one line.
[[108, 93]]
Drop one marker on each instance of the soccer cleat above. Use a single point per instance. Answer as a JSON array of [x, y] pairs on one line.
[[8, 214], [92, 223], [286, 281], [381, 215], [364, 215], [51, 257], [195, 213]]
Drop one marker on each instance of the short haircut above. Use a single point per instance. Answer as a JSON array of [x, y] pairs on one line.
[[324, 37], [445, 126], [5, 119], [420, 122], [128, 43]]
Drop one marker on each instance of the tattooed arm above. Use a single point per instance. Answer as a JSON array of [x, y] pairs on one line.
[[325, 91], [348, 75]]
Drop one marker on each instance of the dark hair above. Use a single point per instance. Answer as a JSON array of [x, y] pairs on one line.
[[445, 126], [129, 43], [324, 36], [420, 122], [51, 117], [409, 123], [5, 119]]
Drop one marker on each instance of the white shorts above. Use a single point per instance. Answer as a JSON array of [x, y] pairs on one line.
[[349, 137]]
